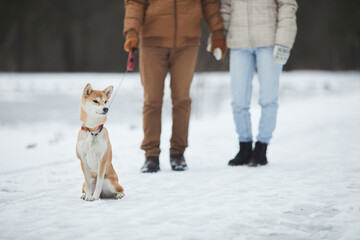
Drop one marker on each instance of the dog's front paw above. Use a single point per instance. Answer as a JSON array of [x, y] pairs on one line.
[[90, 199], [120, 195], [83, 196]]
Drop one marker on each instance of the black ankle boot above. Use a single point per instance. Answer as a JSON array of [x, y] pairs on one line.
[[151, 165], [259, 155], [244, 155], [177, 162]]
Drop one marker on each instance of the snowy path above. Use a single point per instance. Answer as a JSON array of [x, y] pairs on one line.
[[310, 189]]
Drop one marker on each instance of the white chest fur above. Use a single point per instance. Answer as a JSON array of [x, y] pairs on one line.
[[92, 149]]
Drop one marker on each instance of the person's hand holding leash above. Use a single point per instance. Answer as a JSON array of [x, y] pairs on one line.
[[130, 43]]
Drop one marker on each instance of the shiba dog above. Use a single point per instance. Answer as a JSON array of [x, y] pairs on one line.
[[93, 147]]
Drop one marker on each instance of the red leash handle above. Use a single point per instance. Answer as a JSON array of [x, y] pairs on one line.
[[131, 60]]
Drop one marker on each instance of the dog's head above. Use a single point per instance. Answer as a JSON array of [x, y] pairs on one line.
[[95, 102]]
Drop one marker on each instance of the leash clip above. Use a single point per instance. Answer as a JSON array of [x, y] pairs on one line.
[[131, 60]]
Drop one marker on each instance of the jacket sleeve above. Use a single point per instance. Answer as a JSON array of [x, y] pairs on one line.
[[134, 17], [226, 13], [212, 16], [286, 23]]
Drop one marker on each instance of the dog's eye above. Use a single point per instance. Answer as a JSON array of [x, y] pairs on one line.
[[105, 101], [95, 101]]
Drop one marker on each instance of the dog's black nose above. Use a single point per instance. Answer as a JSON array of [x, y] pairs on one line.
[[105, 109]]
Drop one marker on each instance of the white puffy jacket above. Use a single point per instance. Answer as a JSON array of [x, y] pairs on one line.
[[259, 23]]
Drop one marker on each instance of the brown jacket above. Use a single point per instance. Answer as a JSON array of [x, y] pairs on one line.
[[170, 23]]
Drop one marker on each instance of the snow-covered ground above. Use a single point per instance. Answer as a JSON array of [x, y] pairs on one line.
[[310, 189]]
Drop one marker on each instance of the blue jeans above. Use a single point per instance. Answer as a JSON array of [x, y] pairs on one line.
[[242, 67]]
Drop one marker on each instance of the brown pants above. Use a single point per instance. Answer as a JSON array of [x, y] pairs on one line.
[[155, 62]]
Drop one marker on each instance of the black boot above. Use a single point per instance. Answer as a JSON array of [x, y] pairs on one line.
[[177, 162], [259, 155], [151, 165], [243, 156]]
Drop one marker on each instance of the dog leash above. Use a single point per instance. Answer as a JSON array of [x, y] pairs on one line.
[[129, 67]]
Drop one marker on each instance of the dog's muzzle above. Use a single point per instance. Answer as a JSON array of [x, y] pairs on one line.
[[104, 111]]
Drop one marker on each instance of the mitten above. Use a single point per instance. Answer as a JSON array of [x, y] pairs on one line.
[[218, 41], [130, 43], [281, 54]]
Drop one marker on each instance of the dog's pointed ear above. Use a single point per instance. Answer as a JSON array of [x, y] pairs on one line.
[[108, 91], [87, 89]]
